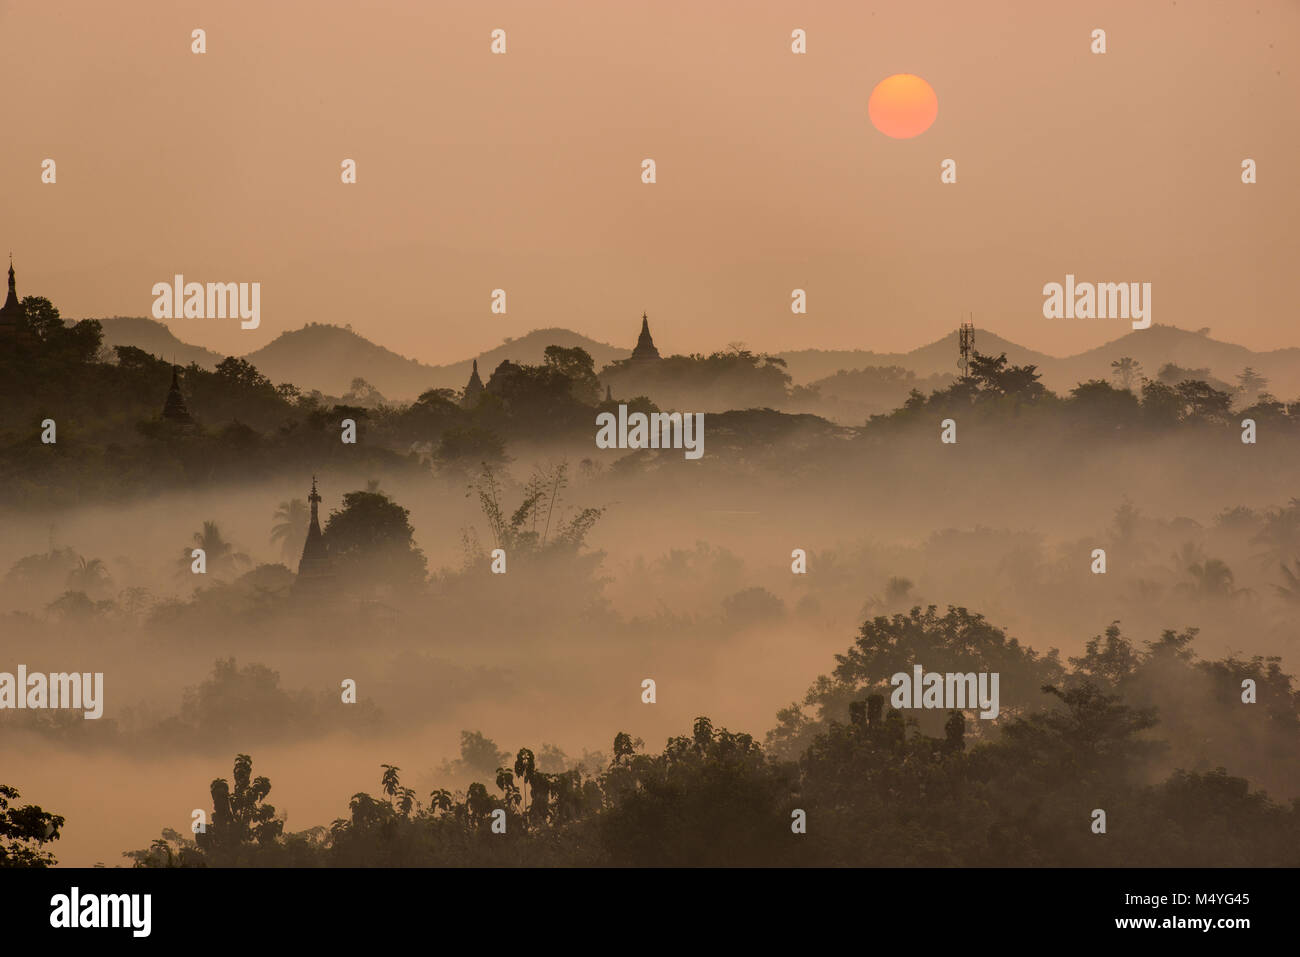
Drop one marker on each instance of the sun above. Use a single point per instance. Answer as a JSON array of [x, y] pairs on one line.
[[902, 106]]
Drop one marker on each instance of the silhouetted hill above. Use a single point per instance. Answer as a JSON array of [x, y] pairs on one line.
[[328, 358], [1151, 347], [937, 358], [528, 348], [1160, 344], [156, 339]]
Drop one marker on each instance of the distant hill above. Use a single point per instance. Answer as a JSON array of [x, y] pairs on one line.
[[156, 339], [328, 358], [1160, 344], [529, 349], [937, 358], [1151, 347]]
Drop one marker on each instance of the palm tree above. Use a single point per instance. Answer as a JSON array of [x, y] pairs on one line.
[[290, 530], [1281, 534], [1213, 579], [440, 799], [1127, 371], [1291, 590], [220, 554], [88, 576], [506, 785], [389, 782], [407, 801], [525, 765]]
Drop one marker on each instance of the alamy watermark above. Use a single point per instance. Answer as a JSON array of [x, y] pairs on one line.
[[78, 690], [74, 909], [946, 690], [1102, 300], [657, 430], [216, 300]]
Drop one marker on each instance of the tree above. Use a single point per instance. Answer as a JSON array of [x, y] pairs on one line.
[[241, 818], [78, 343], [1127, 371], [996, 377], [1203, 402], [1250, 384], [43, 319], [957, 641], [463, 448], [1211, 578], [1103, 405], [1280, 535], [525, 765], [535, 526], [24, 831], [89, 576], [1162, 407], [292, 519], [1290, 589], [243, 373], [371, 542], [362, 393], [220, 556], [576, 365], [479, 754], [389, 783]]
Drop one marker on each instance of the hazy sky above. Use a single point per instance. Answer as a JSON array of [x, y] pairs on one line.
[[522, 171]]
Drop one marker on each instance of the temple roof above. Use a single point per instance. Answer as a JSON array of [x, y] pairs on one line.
[[645, 346], [12, 317], [314, 567], [472, 388], [174, 405]]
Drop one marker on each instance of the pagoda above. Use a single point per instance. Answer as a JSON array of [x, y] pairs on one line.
[[315, 575], [13, 319], [473, 389], [174, 409], [645, 346]]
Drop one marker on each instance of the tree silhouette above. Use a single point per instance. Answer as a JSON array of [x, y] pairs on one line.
[[525, 765], [1280, 535], [241, 820], [1126, 371], [89, 576], [23, 832], [220, 556], [390, 783], [292, 518], [1250, 384], [372, 543], [1290, 588]]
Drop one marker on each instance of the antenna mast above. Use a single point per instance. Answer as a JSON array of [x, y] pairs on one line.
[[966, 345]]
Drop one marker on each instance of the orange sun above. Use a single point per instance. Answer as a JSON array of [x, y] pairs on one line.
[[902, 106]]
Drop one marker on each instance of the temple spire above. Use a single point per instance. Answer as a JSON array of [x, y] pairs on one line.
[[314, 572], [13, 320], [645, 346], [174, 408], [473, 389]]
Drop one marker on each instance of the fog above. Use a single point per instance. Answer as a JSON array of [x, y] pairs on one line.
[[691, 585]]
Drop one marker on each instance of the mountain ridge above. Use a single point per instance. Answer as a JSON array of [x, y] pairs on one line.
[[327, 357]]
